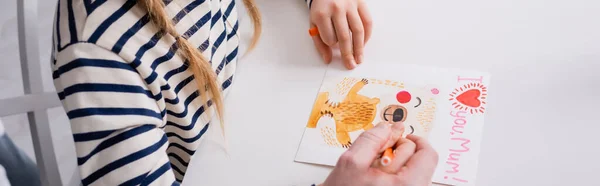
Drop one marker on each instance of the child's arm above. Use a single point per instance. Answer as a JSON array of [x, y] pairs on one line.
[[114, 117], [344, 22]]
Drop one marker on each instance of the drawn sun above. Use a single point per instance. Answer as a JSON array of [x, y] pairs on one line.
[[469, 97]]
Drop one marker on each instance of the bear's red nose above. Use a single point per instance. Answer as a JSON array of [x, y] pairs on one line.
[[403, 97]]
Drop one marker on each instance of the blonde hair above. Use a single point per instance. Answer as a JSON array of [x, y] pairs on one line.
[[205, 77]]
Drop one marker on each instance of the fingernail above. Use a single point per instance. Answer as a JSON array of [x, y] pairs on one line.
[[398, 126], [349, 66]]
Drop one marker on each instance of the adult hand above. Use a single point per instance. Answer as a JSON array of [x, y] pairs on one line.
[[414, 163], [346, 22]]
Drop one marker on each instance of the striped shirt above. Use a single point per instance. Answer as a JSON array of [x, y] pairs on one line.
[[135, 114]]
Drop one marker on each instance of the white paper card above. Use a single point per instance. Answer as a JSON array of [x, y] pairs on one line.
[[446, 106]]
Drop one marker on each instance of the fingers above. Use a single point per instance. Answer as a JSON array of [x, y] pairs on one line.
[[425, 159], [402, 153], [342, 30], [395, 135], [421, 142], [404, 150], [358, 35], [367, 147], [325, 26], [397, 131], [344, 23], [323, 49], [367, 21]]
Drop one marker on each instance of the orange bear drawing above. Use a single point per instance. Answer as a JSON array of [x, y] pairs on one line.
[[354, 113]]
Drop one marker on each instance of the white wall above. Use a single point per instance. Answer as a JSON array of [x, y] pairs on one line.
[[17, 126]]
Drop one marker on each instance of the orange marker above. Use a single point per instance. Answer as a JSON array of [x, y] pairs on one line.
[[388, 156], [313, 31]]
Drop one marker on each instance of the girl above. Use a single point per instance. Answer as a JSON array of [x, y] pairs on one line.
[[141, 79]]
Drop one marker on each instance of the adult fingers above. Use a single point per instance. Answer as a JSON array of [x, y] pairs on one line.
[[421, 142], [397, 131], [366, 18], [342, 30], [366, 147], [395, 135], [403, 152], [358, 35], [325, 26], [323, 49], [425, 159]]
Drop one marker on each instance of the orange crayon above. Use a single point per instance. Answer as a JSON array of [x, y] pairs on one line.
[[388, 157], [313, 31]]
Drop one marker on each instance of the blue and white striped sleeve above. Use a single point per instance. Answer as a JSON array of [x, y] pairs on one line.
[[114, 118]]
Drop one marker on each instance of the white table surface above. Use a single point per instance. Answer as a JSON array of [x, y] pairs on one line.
[[543, 55]]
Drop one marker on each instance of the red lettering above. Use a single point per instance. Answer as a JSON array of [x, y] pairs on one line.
[[454, 167], [464, 145], [457, 115], [480, 79]]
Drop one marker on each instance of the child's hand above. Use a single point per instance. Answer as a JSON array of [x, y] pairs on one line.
[[346, 22]]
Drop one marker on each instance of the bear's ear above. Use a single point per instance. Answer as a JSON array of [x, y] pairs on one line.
[[432, 90], [435, 91]]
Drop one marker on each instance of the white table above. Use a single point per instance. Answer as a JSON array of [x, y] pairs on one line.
[[543, 55]]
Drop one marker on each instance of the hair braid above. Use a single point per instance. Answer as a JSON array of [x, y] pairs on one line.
[[204, 75]]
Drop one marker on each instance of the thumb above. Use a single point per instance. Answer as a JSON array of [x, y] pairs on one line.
[[396, 134], [369, 144]]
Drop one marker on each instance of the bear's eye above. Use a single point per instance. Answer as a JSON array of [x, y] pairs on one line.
[[394, 113], [398, 115]]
